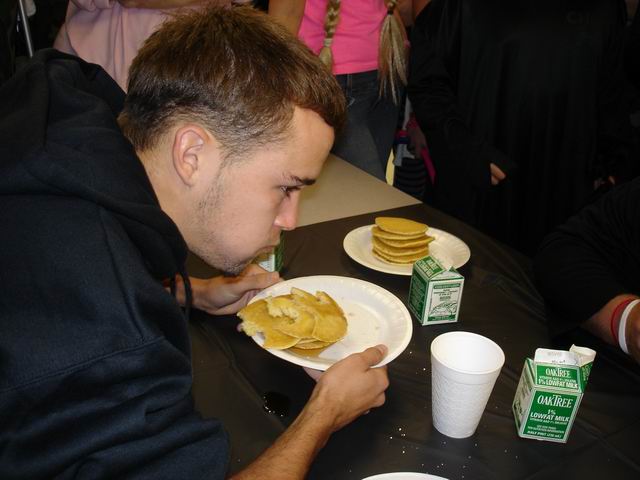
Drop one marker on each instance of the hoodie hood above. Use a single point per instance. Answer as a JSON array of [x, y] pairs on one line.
[[59, 136]]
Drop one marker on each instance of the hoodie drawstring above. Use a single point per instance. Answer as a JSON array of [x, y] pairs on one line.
[[188, 293]]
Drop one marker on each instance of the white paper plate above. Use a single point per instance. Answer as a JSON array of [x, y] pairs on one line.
[[404, 476], [374, 316], [448, 249]]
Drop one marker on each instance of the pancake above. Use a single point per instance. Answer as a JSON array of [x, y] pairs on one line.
[[382, 247], [309, 353], [255, 318], [399, 240], [313, 345], [308, 322], [331, 324], [291, 320], [277, 340], [421, 241], [401, 259], [377, 232], [400, 226]]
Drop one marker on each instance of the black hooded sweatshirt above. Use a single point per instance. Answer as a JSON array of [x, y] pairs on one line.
[[95, 367]]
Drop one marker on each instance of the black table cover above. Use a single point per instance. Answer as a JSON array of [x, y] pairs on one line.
[[231, 375]]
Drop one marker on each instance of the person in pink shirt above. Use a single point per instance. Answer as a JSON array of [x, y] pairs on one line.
[[110, 32], [365, 44]]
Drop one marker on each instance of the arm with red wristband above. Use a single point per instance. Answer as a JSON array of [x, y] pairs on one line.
[[587, 270], [618, 323]]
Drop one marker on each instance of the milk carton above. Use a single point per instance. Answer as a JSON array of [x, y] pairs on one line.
[[272, 261], [549, 392], [435, 292]]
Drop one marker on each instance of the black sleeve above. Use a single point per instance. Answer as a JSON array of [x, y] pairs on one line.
[[592, 258], [632, 51], [617, 147]]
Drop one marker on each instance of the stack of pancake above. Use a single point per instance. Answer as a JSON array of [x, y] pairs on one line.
[[301, 320], [399, 240]]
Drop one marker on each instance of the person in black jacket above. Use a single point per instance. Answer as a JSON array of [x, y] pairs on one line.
[[227, 118], [524, 107], [632, 47], [587, 270]]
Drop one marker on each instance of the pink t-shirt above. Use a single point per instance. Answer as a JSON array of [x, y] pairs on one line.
[[357, 36], [106, 33]]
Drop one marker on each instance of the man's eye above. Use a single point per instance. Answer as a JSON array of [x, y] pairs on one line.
[[287, 190]]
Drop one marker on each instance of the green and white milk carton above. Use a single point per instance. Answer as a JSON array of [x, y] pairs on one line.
[[549, 392], [435, 292], [272, 261]]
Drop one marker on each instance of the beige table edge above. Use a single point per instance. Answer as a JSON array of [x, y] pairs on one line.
[[343, 190]]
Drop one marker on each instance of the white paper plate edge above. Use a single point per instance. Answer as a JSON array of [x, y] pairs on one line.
[[324, 364]]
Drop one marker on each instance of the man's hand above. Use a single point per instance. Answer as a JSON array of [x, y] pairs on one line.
[[345, 391], [417, 140], [351, 387], [227, 295], [497, 175]]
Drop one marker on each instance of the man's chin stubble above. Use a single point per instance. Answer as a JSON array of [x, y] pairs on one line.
[[233, 269], [224, 265]]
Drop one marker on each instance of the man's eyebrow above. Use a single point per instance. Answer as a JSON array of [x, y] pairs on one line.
[[300, 181]]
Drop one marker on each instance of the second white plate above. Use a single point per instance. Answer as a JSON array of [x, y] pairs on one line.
[[446, 248], [404, 476]]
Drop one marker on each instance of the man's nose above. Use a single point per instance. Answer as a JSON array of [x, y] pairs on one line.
[[287, 217]]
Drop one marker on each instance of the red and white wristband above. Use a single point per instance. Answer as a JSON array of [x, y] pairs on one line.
[[622, 326]]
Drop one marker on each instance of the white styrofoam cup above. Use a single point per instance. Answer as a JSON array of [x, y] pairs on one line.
[[464, 369]]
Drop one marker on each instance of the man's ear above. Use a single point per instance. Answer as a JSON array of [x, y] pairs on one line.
[[190, 144]]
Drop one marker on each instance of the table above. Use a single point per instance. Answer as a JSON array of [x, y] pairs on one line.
[[231, 374], [344, 191]]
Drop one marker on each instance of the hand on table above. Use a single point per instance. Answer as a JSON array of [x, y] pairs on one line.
[[497, 175], [226, 295]]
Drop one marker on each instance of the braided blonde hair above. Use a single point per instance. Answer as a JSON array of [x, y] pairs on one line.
[[392, 55], [331, 19]]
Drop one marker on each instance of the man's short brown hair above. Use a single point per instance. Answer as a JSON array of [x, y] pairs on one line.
[[231, 69]]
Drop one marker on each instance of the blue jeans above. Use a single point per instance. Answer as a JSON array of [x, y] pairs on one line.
[[367, 137]]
